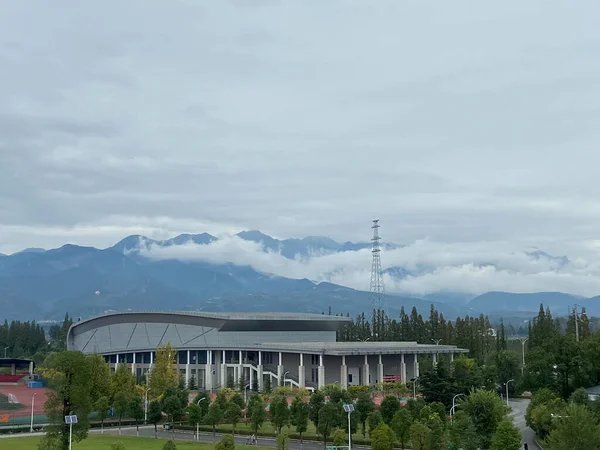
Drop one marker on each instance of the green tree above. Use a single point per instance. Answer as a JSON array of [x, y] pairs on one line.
[[268, 387], [329, 418], [506, 437], [164, 373], [233, 414], [100, 380], [214, 417], [283, 440], [578, 429], [202, 400], [280, 413], [389, 407], [462, 432], [579, 396], [419, 435], [117, 446], [102, 407], [226, 443], [364, 406], [69, 379], [194, 415], [401, 424], [155, 416], [169, 445], [258, 414], [174, 404], [339, 437], [121, 405], [299, 416], [316, 402], [238, 400], [373, 420], [192, 383], [383, 438], [486, 411], [136, 411], [435, 439]]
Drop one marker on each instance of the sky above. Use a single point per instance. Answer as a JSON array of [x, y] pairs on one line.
[[466, 124]]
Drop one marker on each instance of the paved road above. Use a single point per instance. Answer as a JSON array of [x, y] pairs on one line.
[[519, 406]]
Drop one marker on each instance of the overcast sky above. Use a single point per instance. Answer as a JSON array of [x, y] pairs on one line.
[[459, 122]]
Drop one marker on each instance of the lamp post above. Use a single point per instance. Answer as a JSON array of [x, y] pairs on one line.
[[5, 348], [414, 382], [146, 406], [32, 405], [198, 423], [523, 340], [284, 377], [246, 393], [454, 405], [509, 381], [349, 408]]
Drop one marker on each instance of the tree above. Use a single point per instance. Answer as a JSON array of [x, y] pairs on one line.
[[316, 402], [373, 420], [383, 438], [419, 434], [117, 446], [136, 411], [192, 383], [329, 418], [214, 417], [164, 373], [435, 439], [506, 437], [174, 404], [401, 424], [339, 437], [486, 411], [226, 443], [102, 407], [280, 413], [194, 415], [364, 406], [122, 381], [202, 400], [389, 407], [257, 413], [462, 432], [578, 429], [233, 414], [238, 400], [69, 378], [121, 404], [299, 416], [283, 439], [100, 380], [169, 445], [268, 388], [154, 415]]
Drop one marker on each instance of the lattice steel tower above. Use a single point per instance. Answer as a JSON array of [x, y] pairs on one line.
[[377, 288]]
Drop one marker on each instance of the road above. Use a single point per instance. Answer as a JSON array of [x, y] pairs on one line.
[[519, 406]]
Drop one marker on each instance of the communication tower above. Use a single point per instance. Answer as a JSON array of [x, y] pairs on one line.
[[377, 288]]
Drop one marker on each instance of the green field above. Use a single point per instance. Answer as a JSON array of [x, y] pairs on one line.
[[102, 442]]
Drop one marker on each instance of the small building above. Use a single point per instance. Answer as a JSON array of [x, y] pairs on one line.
[[16, 371], [291, 349]]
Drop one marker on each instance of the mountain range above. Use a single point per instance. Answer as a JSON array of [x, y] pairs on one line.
[[44, 284]]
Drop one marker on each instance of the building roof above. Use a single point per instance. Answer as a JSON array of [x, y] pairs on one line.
[[7, 362], [357, 348], [239, 321]]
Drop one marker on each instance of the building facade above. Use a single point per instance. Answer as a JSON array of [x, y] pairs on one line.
[[291, 349]]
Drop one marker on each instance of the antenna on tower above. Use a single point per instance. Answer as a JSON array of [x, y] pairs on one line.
[[377, 288]]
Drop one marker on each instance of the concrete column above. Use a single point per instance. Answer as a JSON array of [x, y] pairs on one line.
[[13, 369], [416, 366], [261, 380], [321, 372], [280, 369], [187, 370], [31, 368], [223, 370], [344, 373], [301, 372], [435, 360], [380, 370], [403, 368], [251, 380], [208, 368], [241, 371], [133, 364], [116, 364], [366, 378]]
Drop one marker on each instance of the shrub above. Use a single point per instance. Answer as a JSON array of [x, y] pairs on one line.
[[339, 438], [169, 445], [283, 440], [226, 443], [117, 446]]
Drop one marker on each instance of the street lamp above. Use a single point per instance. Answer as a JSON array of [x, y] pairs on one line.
[[5, 348], [437, 341], [146, 406], [32, 404], [454, 405], [198, 423], [284, 377], [414, 382], [509, 381], [349, 408], [523, 340]]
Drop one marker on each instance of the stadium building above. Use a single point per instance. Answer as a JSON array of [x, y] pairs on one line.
[[291, 349]]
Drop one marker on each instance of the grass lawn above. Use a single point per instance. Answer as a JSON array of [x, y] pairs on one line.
[[102, 442]]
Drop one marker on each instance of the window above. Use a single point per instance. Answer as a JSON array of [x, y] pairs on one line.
[[349, 378], [315, 360]]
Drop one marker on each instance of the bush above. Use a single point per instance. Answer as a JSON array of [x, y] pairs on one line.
[[283, 440], [169, 445], [339, 438], [117, 446], [226, 443]]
